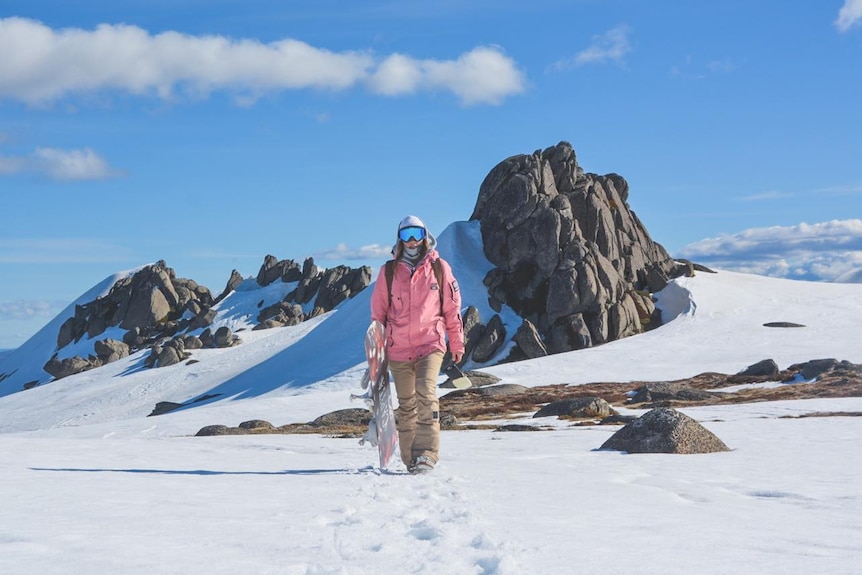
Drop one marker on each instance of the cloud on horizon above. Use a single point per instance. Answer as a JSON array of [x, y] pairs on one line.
[[30, 309], [41, 65], [822, 251], [849, 15], [61, 165], [613, 45], [344, 252]]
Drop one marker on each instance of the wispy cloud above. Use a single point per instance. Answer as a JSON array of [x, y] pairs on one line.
[[846, 190], [612, 46], [41, 65], [30, 309], [342, 252], [697, 70], [849, 15], [766, 196], [821, 251], [62, 250], [61, 165]]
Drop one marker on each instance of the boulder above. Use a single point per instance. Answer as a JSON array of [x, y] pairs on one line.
[[664, 430], [766, 367], [109, 350], [60, 368], [223, 337], [529, 341]]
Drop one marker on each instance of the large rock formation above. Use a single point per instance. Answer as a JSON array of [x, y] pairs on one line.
[[572, 259], [158, 310]]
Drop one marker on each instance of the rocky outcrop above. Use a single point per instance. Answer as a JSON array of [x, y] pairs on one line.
[[156, 308], [151, 303], [570, 256], [326, 288], [664, 430]]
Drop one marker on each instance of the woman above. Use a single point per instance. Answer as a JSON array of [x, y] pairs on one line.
[[419, 315]]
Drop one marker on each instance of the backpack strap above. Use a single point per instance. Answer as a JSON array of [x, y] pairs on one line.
[[438, 271], [389, 271]]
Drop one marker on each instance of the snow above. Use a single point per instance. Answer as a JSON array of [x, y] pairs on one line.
[[90, 484]]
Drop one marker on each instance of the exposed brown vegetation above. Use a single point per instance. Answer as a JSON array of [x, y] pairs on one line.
[[472, 408]]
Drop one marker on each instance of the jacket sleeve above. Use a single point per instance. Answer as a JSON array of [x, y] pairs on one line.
[[380, 298], [452, 309]]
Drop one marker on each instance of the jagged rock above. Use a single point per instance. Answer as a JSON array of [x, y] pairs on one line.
[[232, 283], [579, 407], [568, 251], [149, 304], [273, 269], [492, 340], [664, 430], [109, 350], [340, 283], [473, 330], [529, 341], [766, 367], [308, 283]]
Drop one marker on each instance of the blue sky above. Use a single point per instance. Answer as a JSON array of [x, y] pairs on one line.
[[211, 133]]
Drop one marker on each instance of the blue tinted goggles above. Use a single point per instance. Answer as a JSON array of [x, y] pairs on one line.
[[411, 233]]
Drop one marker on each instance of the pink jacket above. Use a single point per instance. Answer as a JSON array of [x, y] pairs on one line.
[[414, 326]]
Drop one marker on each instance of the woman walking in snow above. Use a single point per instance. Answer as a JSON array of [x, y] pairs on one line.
[[419, 303]]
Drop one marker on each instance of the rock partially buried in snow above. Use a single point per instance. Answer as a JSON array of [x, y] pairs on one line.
[[664, 430]]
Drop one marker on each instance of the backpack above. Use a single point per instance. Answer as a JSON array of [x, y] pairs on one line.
[[438, 271]]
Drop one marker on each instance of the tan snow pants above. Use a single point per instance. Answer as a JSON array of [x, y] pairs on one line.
[[418, 414]]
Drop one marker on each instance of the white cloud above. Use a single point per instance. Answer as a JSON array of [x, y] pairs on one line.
[[41, 65], [29, 309], [613, 45], [61, 165], [849, 15], [343, 252], [821, 251]]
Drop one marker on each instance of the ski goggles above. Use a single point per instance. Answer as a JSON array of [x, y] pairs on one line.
[[411, 233]]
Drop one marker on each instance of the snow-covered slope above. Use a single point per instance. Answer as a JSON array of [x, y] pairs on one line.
[[89, 484]]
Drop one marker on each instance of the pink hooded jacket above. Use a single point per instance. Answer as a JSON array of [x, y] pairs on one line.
[[414, 326]]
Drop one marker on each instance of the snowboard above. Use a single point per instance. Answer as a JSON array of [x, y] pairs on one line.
[[378, 396]]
